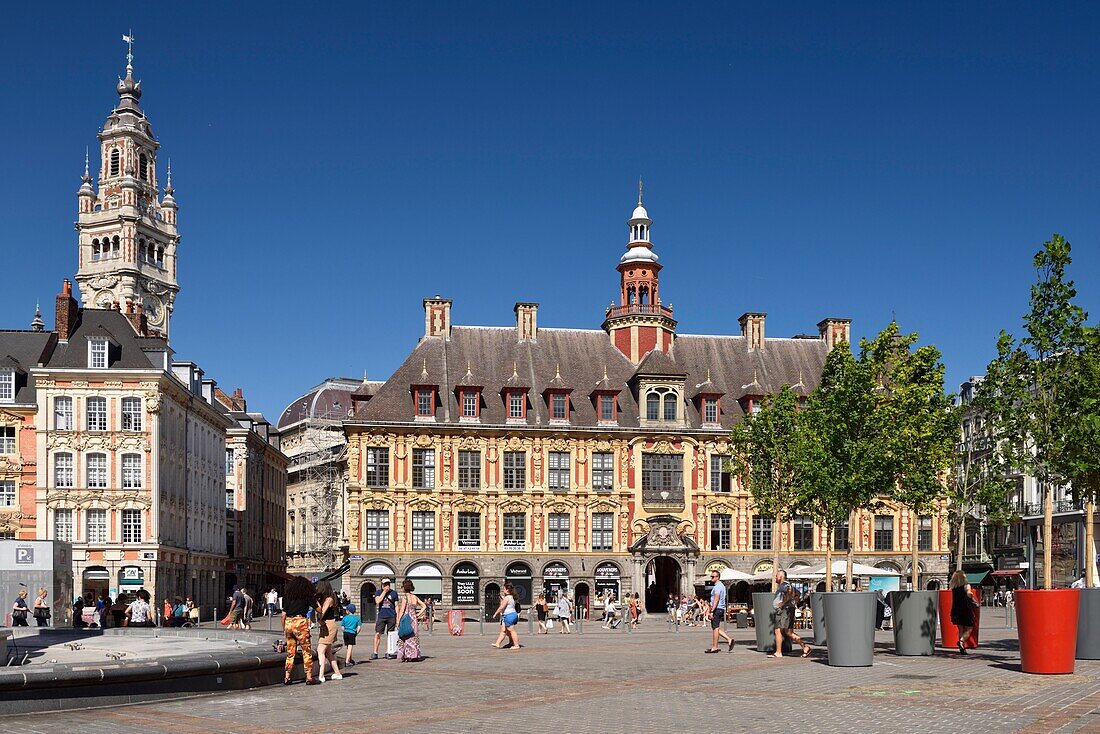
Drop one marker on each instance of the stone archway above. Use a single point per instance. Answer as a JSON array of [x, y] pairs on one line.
[[663, 576]]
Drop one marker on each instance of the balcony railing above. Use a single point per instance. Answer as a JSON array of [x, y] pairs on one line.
[[1031, 509], [654, 309], [671, 499]]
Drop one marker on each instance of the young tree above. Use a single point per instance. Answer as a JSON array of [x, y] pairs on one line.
[[841, 466], [914, 423], [1026, 381], [763, 451]]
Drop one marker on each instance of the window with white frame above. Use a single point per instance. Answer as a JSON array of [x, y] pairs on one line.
[[515, 470], [607, 408], [558, 470], [720, 477], [761, 533], [423, 530], [63, 413], [710, 410], [229, 462], [97, 353], [720, 524], [378, 467], [425, 403], [469, 470], [603, 527], [96, 470], [558, 403], [131, 471], [7, 385], [924, 533], [95, 525], [515, 405], [63, 524], [424, 468], [557, 534], [603, 471], [96, 409], [514, 532], [63, 470], [7, 439], [131, 415], [131, 526], [378, 529], [469, 403], [7, 494]]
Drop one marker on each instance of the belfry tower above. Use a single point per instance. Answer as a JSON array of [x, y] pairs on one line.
[[639, 323], [127, 233]]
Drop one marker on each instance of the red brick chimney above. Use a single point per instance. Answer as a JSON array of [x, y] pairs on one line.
[[137, 318], [239, 401], [66, 313]]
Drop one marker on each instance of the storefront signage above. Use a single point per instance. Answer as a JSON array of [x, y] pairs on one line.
[[517, 571], [603, 586], [555, 571], [131, 576], [718, 566], [514, 545], [465, 571], [469, 544], [606, 571]]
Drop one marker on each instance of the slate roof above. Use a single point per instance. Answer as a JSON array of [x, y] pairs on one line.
[[22, 351], [330, 400], [126, 346], [582, 355]]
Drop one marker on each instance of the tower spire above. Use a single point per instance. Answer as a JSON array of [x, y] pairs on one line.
[[168, 184], [639, 190], [87, 176], [37, 324], [129, 39]]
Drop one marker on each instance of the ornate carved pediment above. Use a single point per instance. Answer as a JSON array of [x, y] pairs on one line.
[[44, 383], [376, 503], [155, 287], [132, 443], [424, 503], [604, 506], [513, 443], [602, 445], [112, 383], [469, 504], [515, 506], [560, 506], [80, 383], [558, 444], [102, 282], [468, 442], [376, 439], [422, 440], [7, 418]]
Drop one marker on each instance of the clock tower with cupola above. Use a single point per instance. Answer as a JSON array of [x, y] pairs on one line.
[[127, 232]]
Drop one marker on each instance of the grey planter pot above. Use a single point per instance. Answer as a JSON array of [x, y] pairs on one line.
[[764, 617], [817, 609], [850, 628], [914, 621], [1088, 626]]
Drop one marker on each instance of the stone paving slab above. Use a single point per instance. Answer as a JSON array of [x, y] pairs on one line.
[[651, 679]]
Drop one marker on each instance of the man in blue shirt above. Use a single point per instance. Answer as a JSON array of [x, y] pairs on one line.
[[718, 613], [386, 599]]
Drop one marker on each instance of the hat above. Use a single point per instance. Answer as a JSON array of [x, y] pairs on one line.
[[385, 581], [351, 608]]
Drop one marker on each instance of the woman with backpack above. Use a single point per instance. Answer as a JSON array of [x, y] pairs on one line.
[[409, 608]]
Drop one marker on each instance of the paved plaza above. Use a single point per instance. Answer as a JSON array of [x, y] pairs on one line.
[[649, 680]]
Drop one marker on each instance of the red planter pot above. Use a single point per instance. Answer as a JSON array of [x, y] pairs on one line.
[[948, 631], [1048, 629]]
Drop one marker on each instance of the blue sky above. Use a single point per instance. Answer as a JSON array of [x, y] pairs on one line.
[[334, 166]]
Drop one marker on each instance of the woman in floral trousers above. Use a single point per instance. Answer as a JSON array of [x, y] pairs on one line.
[[297, 601]]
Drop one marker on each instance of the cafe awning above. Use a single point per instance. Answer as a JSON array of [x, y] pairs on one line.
[[1009, 572], [976, 577]]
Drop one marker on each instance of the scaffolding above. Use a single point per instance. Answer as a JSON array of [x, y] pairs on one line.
[[318, 465]]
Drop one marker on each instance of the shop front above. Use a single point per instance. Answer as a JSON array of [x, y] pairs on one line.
[[427, 581], [555, 581], [465, 580], [608, 579], [519, 574], [95, 582], [370, 584]]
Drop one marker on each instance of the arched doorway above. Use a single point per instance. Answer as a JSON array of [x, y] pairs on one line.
[[662, 577], [580, 600], [367, 608], [96, 582], [492, 599]]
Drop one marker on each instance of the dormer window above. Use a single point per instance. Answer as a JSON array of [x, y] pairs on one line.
[[607, 408], [710, 410], [662, 405], [670, 406], [517, 405], [469, 403], [97, 353], [7, 385], [559, 406], [425, 401], [653, 406]]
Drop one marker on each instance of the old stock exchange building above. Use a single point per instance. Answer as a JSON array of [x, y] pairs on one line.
[[581, 459]]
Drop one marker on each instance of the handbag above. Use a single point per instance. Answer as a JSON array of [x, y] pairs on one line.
[[19, 614], [405, 629]]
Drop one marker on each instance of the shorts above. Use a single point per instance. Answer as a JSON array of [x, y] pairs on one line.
[[330, 627], [510, 619], [349, 638], [384, 625], [716, 618], [235, 616], [784, 618]]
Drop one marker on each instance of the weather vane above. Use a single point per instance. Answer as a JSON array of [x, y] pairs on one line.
[[128, 38]]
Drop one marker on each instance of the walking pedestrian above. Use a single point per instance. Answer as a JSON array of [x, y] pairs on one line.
[[962, 608], [783, 604], [272, 599], [325, 608], [246, 613], [19, 610], [429, 612], [386, 621], [632, 605], [565, 613], [299, 598], [236, 608], [41, 609], [408, 629], [508, 617], [352, 623], [670, 607], [541, 610], [609, 612], [717, 614]]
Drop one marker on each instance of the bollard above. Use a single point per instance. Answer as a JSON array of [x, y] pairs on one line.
[[530, 624], [580, 626], [215, 614], [481, 624]]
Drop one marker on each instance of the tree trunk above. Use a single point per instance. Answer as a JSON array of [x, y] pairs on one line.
[[1090, 545], [1048, 526], [829, 561], [851, 550], [959, 543], [914, 544], [775, 551]]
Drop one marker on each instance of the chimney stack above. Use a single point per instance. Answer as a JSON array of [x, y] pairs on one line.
[[752, 328], [835, 331], [66, 312], [437, 317], [239, 401], [135, 314], [527, 321]]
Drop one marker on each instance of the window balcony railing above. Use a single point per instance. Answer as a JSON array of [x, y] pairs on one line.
[[654, 309], [672, 499], [1032, 509]]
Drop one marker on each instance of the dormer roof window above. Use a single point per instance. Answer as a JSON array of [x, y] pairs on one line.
[[7, 385], [468, 393], [424, 401], [97, 353], [557, 399]]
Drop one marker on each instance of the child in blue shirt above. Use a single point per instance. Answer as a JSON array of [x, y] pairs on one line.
[[351, 623]]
